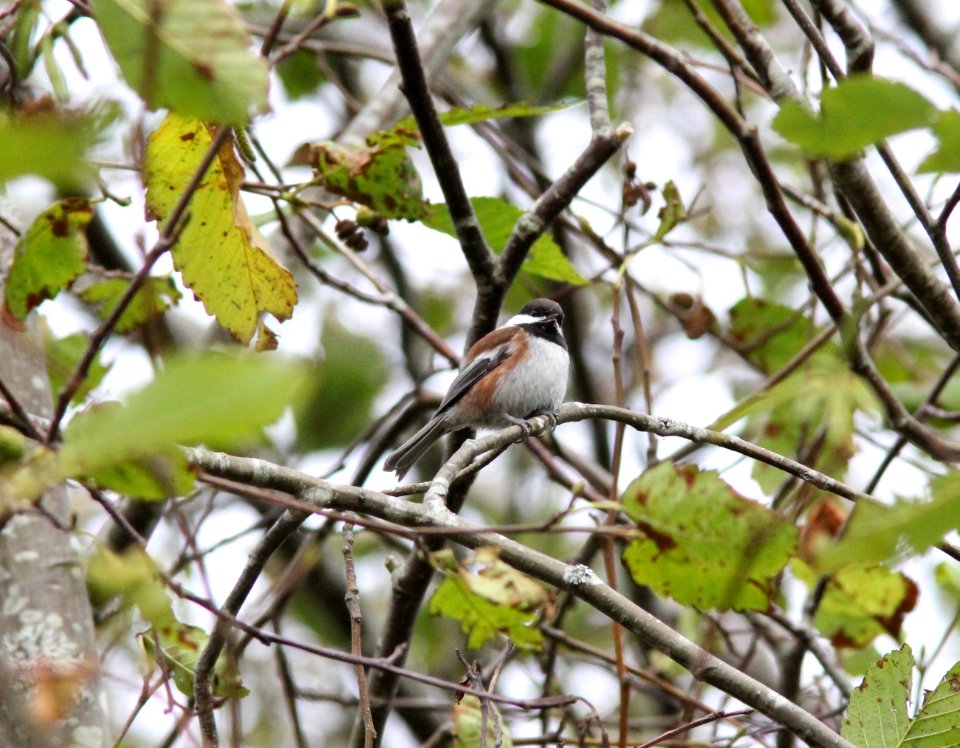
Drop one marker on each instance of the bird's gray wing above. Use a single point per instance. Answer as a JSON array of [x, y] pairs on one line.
[[473, 373]]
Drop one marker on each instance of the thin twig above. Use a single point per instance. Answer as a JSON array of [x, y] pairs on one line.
[[202, 683], [811, 640], [352, 600], [610, 560], [677, 694], [924, 409], [852, 177], [644, 362], [558, 195], [686, 727], [25, 424], [473, 677], [290, 692], [273, 32], [389, 299]]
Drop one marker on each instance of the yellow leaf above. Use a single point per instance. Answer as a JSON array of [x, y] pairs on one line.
[[221, 255]]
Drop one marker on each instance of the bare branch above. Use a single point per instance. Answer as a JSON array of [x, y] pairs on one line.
[[578, 580], [352, 599], [475, 249], [202, 683], [448, 22]]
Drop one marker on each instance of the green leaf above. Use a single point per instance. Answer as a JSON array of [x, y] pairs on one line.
[[379, 174], [819, 400], [858, 661], [219, 400], [498, 582], [26, 479], [53, 144], [299, 74], [154, 297], [701, 543], [672, 21], [49, 256], [13, 445], [134, 577], [497, 219], [491, 598], [672, 213], [50, 66], [161, 475], [352, 371], [63, 357], [877, 716], [822, 395], [947, 577], [484, 113], [851, 231], [311, 8], [937, 725], [859, 111], [177, 647], [221, 255], [768, 334], [549, 55], [547, 260], [481, 619], [860, 602], [946, 157], [468, 724], [191, 56], [916, 363], [878, 533], [19, 42]]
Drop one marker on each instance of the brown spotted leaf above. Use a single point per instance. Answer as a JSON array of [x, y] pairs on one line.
[[700, 542], [49, 257], [877, 716], [154, 297], [378, 174], [860, 602], [221, 255]]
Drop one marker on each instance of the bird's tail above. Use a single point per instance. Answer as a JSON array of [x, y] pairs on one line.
[[414, 447]]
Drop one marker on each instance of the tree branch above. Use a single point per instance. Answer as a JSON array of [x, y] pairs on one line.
[[853, 179], [449, 21], [475, 250], [282, 529], [580, 581], [558, 196]]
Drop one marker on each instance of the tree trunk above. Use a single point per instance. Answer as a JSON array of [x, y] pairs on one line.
[[49, 667]]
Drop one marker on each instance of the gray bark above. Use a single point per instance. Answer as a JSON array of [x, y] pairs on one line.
[[49, 667]]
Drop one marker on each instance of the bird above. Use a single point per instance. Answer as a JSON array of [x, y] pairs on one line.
[[515, 372]]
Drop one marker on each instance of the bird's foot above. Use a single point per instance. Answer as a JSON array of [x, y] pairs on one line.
[[551, 416], [524, 426]]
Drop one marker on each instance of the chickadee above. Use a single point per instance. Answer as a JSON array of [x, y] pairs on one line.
[[515, 372]]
